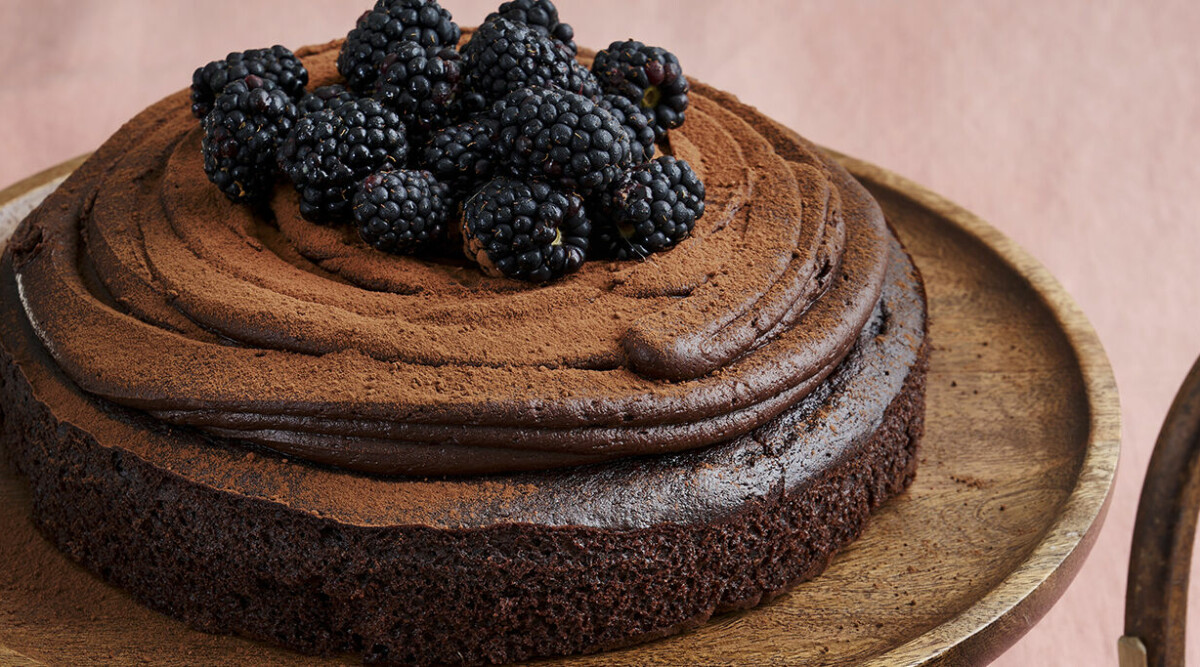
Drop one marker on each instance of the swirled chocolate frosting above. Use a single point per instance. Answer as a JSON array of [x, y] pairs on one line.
[[151, 290]]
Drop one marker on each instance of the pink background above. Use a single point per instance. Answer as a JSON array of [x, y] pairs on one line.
[[1071, 126]]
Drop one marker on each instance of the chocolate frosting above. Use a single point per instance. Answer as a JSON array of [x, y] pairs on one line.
[[151, 290]]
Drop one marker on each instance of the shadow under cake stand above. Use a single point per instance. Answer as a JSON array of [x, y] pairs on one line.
[[1021, 444]]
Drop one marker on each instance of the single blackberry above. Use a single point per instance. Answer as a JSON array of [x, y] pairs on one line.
[[374, 136], [525, 230], [421, 84], [503, 56], [382, 30], [400, 211], [309, 157], [241, 133], [647, 75], [650, 209], [541, 15], [325, 97], [636, 124], [461, 155], [328, 152], [561, 137], [276, 64]]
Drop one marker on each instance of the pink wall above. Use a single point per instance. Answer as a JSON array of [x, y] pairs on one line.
[[1071, 126]]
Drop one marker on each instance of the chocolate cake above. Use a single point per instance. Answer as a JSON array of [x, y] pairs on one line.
[[261, 425]]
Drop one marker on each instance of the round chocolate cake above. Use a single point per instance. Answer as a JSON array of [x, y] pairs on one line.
[[261, 425]]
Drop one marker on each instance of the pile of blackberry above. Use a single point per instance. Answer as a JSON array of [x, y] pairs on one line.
[[533, 160]]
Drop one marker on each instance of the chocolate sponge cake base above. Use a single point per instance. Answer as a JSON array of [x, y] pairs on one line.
[[465, 570]]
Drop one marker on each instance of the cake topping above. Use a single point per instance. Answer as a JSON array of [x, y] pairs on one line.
[[650, 209], [268, 328], [560, 136], [648, 75], [241, 134], [329, 152], [541, 15], [526, 230], [383, 30], [516, 102], [400, 211], [276, 64]]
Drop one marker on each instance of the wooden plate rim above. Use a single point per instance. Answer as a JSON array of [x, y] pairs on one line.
[[998, 619]]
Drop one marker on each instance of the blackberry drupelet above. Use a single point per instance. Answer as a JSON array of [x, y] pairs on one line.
[[561, 137], [401, 211], [461, 155], [380, 32], [636, 124], [647, 75], [421, 84], [503, 56], [241, 133], [650, 209], [541, 15], [525, 230], [276, 64], [325, 97], [328, 152]]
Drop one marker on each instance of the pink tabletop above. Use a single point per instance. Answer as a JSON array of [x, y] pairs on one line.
[[1073, 127]]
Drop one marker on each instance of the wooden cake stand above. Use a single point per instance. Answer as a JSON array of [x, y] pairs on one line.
[[1021, 445]]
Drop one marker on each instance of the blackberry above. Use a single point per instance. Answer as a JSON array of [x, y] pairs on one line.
[[647, 75], [421, 84], [561, 137], [274, 64], [382, 30], [325, 97], [636, 124], [541, 15], [309, 157], [503, 56], [461, 155], [328, 152], [374, 135], [400, 211], [241, 133], [650, 209], [525, 230]]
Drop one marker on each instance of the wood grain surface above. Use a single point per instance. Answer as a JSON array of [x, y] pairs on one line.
[[1160, 562], [1021, 446]]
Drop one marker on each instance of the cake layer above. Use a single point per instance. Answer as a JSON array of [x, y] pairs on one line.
[[262, 327], [490, 568]]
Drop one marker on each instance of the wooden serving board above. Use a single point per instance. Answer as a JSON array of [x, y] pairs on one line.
[[1016, 467]]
